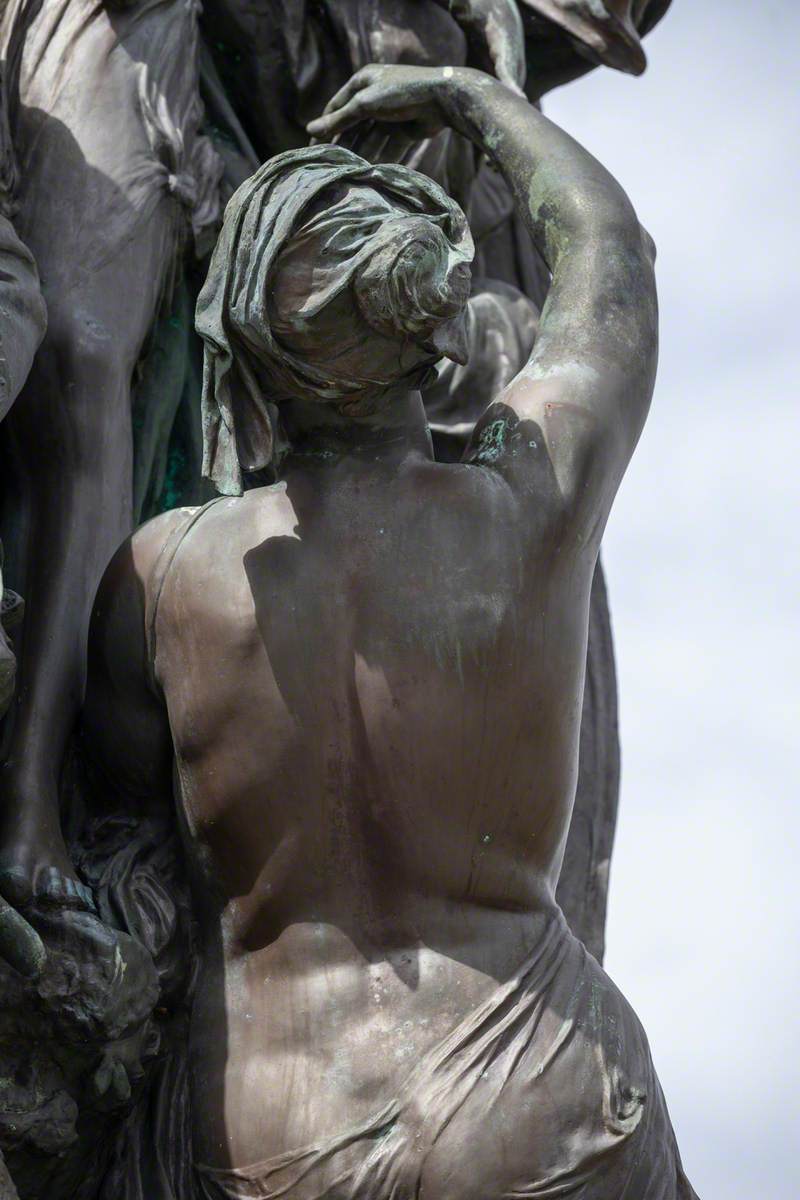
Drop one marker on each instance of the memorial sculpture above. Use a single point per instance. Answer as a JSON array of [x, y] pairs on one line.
[[134, 191], [104, 113], [336, 670], [22, 324], [94, 1021]]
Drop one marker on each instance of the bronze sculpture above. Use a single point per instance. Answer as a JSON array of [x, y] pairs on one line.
[[100, 203], [335, 672], [132, 190], [23, 321], [130, 194], [95, 1103]]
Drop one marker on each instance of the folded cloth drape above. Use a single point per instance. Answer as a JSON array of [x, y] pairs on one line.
[[546, 1090], [312, 227]]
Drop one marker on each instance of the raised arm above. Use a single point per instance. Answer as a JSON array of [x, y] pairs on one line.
[[575, 412]]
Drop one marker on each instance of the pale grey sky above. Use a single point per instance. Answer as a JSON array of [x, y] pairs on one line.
[[703, 561]]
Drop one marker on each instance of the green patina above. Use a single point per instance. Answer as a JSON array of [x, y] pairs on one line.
[[175, 480], [492, 441]]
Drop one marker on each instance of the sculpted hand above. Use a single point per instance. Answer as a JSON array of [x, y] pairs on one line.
[[494, 31], [415, 97], [20, 944]]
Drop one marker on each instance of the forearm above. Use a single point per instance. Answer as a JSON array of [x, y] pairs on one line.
[[566, 198], [567, 424]]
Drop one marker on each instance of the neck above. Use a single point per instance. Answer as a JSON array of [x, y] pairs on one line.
[[397, 429]]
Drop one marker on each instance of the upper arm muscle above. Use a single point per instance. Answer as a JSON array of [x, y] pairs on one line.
[[565, 428]]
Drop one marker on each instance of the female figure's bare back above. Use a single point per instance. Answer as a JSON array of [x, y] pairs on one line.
[[362, 771], [366, 684]]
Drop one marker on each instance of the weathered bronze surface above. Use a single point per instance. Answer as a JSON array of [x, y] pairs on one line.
[[356, 673], [381, 952]]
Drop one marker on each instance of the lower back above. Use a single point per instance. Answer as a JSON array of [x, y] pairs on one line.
[[318, 1031]]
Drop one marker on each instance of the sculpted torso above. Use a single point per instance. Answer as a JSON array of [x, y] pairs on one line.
[[362, 686], [374, 806]]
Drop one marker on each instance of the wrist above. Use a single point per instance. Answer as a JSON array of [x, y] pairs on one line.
[[467, 100]]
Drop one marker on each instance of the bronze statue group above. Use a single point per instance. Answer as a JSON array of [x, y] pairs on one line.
[[130, 130]]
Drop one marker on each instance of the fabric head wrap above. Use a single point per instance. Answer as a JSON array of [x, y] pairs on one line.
[[314, 238]]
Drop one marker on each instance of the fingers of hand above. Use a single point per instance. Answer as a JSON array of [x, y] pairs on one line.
[[356, 109], [20, 944], [356, 83]]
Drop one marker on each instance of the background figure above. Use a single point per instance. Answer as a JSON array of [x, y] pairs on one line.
[[66, 1012], [113, 174], [23, 320], [22, 325]]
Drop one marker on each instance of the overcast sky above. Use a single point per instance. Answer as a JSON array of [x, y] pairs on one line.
[[703, 562]]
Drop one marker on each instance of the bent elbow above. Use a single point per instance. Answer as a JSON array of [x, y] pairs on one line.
[[648, 245]]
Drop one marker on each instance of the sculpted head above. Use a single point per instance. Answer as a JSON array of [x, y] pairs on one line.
[[333, 280], [605, 31]]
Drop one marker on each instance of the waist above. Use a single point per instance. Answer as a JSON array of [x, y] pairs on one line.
[[387, 891], [329, 1020], [350, 927], [554, 1047]]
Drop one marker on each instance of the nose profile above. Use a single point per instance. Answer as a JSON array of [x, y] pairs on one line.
[[451, 339], [606, 29]]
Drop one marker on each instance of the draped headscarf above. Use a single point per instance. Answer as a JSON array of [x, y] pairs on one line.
[[319, 250]]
